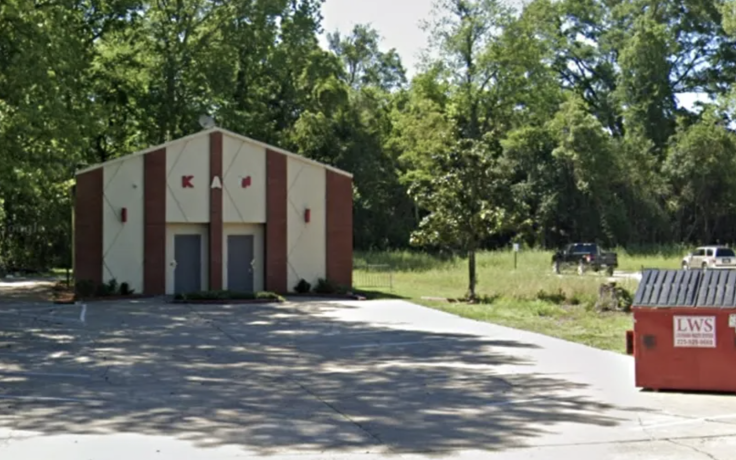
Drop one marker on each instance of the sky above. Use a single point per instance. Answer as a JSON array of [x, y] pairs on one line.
[[397, 21]]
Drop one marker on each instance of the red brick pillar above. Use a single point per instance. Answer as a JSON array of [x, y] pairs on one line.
[[88, 226], [216, 217], [154, 217], [339, 228], [276, 227]]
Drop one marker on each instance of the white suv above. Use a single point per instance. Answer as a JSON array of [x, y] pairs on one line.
[[710, 257]]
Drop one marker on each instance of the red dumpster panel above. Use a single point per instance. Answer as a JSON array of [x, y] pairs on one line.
[[685, 348]]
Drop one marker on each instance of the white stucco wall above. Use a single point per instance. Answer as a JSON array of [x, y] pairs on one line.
[[241, 159], [122, 243], [190, 157], [186, 229], [257, 231], [307, 245]]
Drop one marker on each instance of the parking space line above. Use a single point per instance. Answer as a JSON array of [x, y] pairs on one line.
[[686, 422]]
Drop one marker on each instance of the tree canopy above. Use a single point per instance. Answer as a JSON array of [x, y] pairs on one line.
[[550, 122]]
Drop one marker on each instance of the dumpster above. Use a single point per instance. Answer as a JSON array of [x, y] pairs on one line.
[[684, 335]]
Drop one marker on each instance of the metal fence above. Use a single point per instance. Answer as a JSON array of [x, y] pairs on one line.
[[373, 276]]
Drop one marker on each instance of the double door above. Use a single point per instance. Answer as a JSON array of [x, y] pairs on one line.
[[188, 263]]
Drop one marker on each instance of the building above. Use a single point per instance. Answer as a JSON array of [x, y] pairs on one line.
[[214, 210]]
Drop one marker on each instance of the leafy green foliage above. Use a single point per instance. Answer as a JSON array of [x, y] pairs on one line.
[[701, 171], [85, 289], [125, 289], [467, 201], [303, 287], [543, 123]]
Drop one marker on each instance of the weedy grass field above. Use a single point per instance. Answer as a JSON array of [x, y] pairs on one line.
[[528, 297], [651, 257]]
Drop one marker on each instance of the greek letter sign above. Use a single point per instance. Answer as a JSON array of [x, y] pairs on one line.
[[695, 331]]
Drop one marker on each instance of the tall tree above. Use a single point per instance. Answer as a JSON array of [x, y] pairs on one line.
[[365, 64], [468, 200], [701, 169]]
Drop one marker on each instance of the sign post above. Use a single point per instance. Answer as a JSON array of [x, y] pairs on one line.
[[517, 248]]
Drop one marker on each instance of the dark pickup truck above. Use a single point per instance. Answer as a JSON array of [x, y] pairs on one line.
[[584, 256]]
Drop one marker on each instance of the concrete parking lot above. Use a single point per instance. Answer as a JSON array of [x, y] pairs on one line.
[[328, 380]]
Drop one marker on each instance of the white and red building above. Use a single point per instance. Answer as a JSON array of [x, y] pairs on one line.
[[214, 210]]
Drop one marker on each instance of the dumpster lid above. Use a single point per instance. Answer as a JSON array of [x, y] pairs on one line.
[[668, 288], [717, 289]]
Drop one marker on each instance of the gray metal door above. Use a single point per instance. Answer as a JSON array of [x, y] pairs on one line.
[[240, 262], [188, 257]]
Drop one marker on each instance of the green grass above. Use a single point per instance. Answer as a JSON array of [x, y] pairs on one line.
[[518, 297], [657, 257], [529, 297]]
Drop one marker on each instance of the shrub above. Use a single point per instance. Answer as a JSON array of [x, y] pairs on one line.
[[85, 288], [625, 299], [325, 286], [558, 297], [576, 299], [227, 295], [268, 296], [125, 289], [211, 295], [612, 297], [60, 286], [487, 299], [303, 287]]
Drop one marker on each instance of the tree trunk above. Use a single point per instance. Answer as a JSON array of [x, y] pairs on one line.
[[471, 275]]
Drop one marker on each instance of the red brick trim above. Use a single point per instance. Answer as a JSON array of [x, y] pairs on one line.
[[276, 230], [339, 229], [88, 226], [216, 218], [154, 217]]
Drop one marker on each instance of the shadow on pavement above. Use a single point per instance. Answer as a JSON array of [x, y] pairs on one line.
[[274, 378], [14, 290]]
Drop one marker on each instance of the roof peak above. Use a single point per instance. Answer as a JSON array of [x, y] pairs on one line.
[[209, 131]]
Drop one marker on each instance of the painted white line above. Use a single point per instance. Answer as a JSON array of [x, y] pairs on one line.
[[685, 422], [83, 315], [387, 344], [44, 374], [47, 398]]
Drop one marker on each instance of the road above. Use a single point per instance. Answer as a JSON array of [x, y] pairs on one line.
[[329, 380]]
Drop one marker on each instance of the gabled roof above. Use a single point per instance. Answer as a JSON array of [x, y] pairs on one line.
[[207, 132]]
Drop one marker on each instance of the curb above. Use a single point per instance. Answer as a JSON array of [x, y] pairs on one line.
[[102, 299], [226, 302], [329, 296]]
